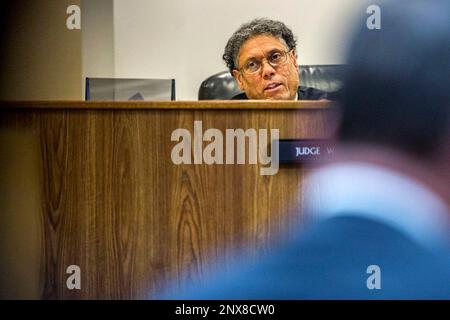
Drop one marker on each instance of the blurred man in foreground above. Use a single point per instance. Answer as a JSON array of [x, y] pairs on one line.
[[382, 207]]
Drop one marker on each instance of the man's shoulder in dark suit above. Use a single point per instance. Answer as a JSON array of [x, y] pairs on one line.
[[331, 260], [304, 93]]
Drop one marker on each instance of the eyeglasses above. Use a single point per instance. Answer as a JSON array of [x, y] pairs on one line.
[[274, 58]]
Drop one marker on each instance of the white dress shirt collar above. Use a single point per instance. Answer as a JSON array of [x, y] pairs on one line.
[[379, 194]]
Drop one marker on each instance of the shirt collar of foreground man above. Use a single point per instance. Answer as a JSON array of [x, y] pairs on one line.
[[374, 192], [261, 56]]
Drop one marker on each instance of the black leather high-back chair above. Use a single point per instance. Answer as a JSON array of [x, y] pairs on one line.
[[223, 86]]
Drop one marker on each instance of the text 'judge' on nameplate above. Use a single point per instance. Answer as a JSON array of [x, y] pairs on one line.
[[305, 151]]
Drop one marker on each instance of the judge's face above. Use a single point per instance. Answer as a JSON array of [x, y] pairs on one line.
[[266, 69]]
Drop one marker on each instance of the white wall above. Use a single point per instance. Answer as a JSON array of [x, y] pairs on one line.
[[184, 39], [97, 29]]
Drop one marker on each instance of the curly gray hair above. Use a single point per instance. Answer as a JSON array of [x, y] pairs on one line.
[[256, 27]]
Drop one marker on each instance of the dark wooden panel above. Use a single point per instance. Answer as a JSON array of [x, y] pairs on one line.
[[168, 105], [114, 204]]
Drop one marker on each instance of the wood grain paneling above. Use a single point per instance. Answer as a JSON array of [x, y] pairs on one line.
[[114, 204], [169, 105]]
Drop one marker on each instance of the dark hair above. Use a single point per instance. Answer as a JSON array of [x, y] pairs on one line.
[[397, 92], [252, 28]]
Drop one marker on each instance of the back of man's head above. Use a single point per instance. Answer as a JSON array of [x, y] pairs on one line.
[[397, 90]]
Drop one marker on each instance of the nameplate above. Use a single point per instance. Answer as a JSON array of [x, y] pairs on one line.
[[305, 151]]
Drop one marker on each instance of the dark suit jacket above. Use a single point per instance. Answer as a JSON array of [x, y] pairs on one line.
[[330, 262], [304, 93]]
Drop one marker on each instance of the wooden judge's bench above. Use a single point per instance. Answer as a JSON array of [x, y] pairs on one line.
[[93, 185]]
